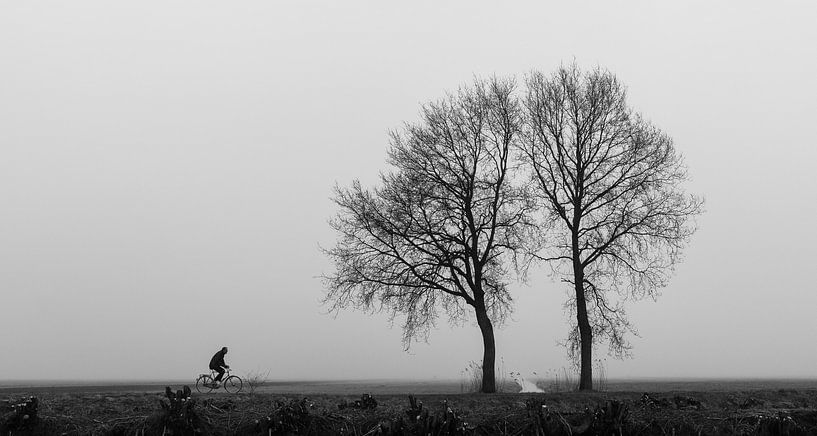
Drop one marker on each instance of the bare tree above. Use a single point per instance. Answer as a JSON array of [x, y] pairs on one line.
[[610, 184], [440, 230]]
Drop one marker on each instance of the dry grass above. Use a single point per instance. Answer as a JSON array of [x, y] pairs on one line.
[[567, 379], [254, 380], [471, 379]]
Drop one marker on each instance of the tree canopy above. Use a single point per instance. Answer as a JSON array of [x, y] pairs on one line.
[[610, 186], [439, 232]]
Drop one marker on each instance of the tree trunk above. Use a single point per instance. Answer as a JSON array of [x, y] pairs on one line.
[[585, 333], [585, 341], [489, 354]]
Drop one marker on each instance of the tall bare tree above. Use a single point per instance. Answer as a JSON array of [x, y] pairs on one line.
[[610, 185], [438, 234]]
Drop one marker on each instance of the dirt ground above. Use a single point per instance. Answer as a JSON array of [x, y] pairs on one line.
[[84, 412]]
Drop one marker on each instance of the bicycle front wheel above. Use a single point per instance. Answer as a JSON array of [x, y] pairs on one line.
[[204, 384], [233, 384]]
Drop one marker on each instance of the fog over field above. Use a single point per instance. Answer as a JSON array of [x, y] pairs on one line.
[[166, 171]]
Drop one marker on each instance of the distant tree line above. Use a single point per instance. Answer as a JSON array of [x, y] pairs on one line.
[[494, 178]]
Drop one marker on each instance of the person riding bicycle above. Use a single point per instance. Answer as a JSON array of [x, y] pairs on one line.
[[217, 364]]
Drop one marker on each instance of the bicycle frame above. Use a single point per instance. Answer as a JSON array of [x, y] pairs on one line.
[[214, 373]]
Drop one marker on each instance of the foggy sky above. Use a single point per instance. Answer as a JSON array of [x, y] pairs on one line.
[[166, 171]]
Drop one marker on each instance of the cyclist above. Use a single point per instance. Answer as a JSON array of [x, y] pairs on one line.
[[217, 364]]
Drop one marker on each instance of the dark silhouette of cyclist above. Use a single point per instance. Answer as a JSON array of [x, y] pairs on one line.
[[217, 364]]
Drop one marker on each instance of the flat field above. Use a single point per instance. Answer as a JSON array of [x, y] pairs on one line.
[[328, 407]]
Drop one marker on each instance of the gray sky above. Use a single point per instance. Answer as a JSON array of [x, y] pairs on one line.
[[166, 169]]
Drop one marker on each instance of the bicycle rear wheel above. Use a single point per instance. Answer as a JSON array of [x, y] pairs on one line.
[[233, 384], [204, 384]]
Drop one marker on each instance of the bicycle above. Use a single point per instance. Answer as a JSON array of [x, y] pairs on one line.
[[206, 384]]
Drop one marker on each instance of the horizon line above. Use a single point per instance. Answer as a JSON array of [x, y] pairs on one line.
[[149, 381]]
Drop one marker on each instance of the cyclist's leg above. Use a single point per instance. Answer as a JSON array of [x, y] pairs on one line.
[[220, 371]]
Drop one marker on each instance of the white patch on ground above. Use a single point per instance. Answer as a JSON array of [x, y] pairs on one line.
[[526, 385]]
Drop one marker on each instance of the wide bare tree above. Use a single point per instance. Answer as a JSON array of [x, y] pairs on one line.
[[610, 184], [439, 232]]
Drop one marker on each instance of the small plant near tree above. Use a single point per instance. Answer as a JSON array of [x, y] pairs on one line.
[[565, 379], [472, 378], [558, 380], [600, 376]]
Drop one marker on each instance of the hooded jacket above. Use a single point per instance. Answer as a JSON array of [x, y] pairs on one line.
[[218, 360]]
